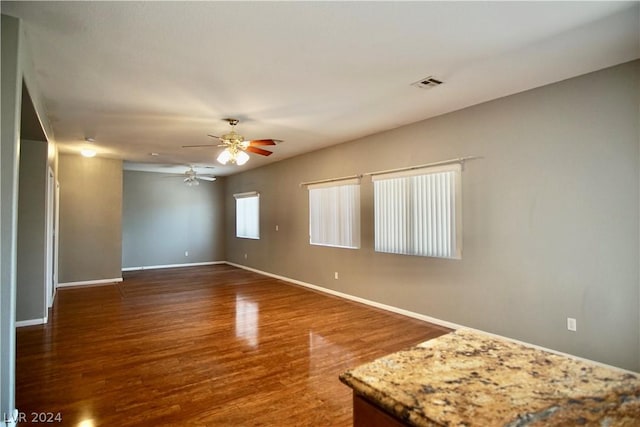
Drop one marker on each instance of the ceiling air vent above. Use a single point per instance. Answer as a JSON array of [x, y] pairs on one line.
[[427, 83]]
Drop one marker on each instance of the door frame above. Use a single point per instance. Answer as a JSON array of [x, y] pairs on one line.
[[52, 221]]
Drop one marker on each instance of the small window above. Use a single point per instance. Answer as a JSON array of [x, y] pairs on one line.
[[334, 214], [248, 215], [419, 212]]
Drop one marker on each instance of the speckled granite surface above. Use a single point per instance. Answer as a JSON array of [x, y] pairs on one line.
[[470, 379]]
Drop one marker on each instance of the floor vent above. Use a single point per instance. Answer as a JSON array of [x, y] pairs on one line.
[[427, 83]]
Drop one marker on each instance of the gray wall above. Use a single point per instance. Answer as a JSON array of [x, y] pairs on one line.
[[90, 218], [9, 149], [162, 218], [17, 69], [31, 300], [551, 218]]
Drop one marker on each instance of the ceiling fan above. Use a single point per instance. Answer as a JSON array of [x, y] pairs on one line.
[[191, 177], [236, 147]]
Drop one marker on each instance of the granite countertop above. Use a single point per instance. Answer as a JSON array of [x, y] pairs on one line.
[[466, 378]]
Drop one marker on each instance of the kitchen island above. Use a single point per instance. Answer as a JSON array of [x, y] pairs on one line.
[[467, 378]]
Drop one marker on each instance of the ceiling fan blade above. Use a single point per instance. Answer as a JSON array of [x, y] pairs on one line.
[[202, 145], [258, 151], [206, 178], [263, 142], [213, 136]]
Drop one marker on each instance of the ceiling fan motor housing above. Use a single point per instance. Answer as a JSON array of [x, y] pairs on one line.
[[233, 138]]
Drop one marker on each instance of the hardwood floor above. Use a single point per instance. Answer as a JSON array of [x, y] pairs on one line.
[[210, 346]]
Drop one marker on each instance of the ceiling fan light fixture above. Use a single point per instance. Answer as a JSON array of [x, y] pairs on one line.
[[236, 156], [242, 158], [225, 157], [236, 146]]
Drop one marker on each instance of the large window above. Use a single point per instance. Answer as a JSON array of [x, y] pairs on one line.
[[248, 215], [419, 212], [334, 213]]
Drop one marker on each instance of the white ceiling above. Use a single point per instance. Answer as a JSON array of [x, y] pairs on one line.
[[144, 77]]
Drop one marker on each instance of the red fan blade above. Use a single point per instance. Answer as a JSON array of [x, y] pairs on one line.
[[263, 142], [258, 151]]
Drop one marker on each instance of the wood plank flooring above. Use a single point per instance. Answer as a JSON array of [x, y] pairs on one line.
[[202, 346]]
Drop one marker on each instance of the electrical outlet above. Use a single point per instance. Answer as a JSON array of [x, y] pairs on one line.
[[335, 275], [186, 253], [571, 324], [245, 256], [276, 228]]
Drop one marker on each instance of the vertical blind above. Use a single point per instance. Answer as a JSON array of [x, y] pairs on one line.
[[334, 213], [418, 212], [248, 215]]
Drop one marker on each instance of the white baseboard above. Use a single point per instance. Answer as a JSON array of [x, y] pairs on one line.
[[154, 267], [356, 299], [90, 282], [422, 317], [31, 322]]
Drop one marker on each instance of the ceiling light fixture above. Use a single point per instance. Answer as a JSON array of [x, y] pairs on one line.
[[87, 152]]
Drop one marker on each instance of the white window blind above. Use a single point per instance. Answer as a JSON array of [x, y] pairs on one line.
[[419, 212], [334, 213], [248, 215]]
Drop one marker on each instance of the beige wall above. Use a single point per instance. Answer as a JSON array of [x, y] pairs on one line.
[[90, 218], [551, 218]]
